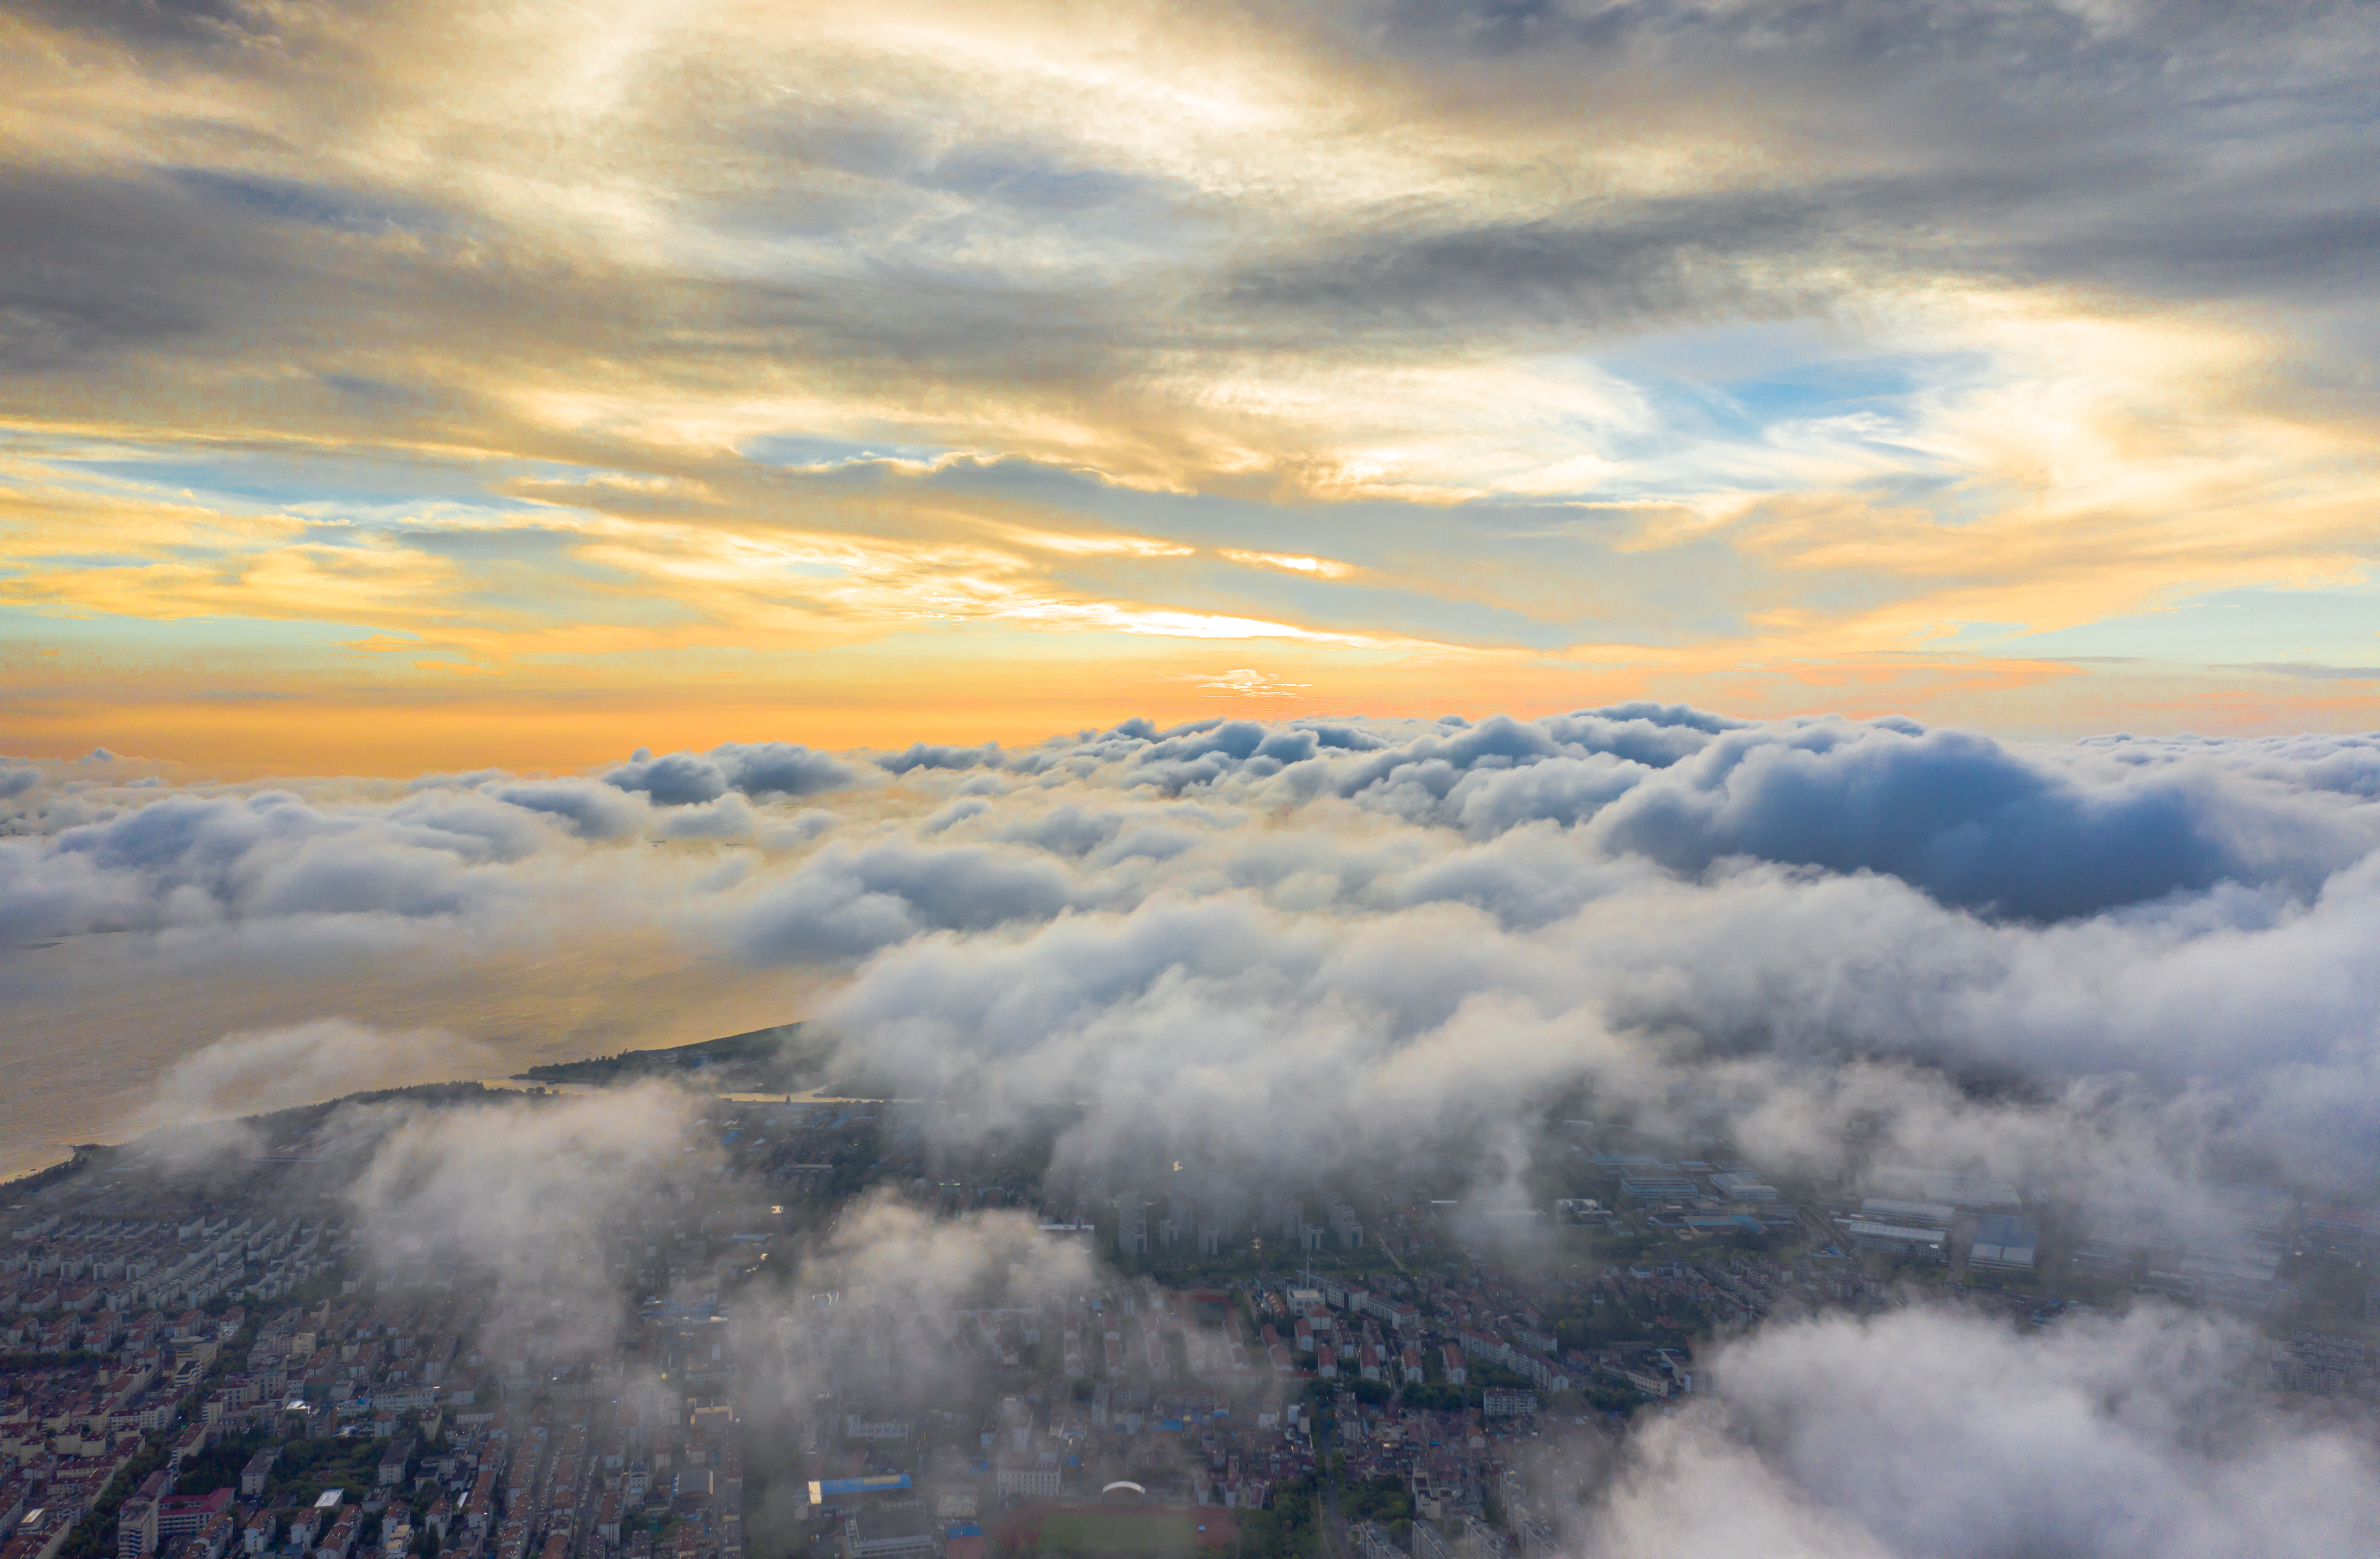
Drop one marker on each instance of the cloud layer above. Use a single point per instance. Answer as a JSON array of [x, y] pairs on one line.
[[2165, 943]]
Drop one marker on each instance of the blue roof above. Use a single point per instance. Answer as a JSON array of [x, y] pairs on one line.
[[965, 1529], [828, 1488]]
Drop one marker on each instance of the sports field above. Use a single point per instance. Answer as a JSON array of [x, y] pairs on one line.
[[1125, 1531]]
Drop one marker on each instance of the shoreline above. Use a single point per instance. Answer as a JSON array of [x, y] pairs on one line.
[[75, 1153]]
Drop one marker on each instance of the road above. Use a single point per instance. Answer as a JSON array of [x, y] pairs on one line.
[[1961, 1241], [1326, 1442]]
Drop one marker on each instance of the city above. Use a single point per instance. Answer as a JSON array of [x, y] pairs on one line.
[[236, 1346]]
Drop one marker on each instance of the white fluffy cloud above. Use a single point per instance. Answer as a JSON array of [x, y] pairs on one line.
[[531, 1191], [1927, 1432]]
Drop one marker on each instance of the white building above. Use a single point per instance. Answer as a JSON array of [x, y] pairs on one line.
[[859, 1426], [1029, 1475]]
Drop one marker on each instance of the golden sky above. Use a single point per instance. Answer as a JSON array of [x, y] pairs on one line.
[[391, 386]]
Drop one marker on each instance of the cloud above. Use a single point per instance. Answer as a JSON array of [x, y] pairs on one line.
[[539, 1193], [675, 779], [2161, 944], [770, 770], [730, 817], [1809, 956], [886, 1256], [1972, 822], [184, 858], [924, 754], [197, 860], [528, 1191], [1929, 1432], [308, 1063], [846, 903], [1997, 324], [1253, 683], [764, 770], [590, 810]]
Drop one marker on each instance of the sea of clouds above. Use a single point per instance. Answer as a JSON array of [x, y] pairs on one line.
[[2164, 946], [2124, 966]]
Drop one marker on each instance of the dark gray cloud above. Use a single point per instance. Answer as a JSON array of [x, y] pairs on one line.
[[673, 779], [97, 265], [592, 810], [164, 24], [1613, 269], [926, 754], [2144, 148], [1972, 822], [762, 770]]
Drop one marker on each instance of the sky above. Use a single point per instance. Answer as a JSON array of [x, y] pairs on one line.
[[397, 388]]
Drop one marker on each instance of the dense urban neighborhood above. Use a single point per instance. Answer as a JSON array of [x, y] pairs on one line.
[[227, 1349]]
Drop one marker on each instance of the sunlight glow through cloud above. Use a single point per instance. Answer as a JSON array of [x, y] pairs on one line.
[[723, 357]]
